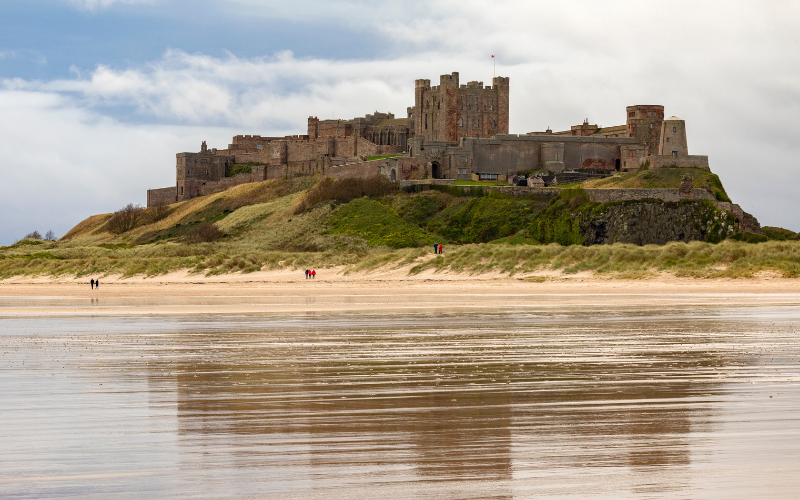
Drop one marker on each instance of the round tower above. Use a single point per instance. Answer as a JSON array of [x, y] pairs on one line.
[[673, 137]]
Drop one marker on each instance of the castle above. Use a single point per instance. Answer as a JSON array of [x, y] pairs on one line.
[[453, 131]]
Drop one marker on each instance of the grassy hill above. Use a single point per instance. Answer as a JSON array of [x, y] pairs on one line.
[[662, 178], [306, 222]]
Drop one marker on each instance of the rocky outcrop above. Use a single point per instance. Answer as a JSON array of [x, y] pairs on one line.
[[652, 222]]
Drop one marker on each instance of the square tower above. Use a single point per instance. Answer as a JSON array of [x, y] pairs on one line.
[[644, 123], [450, 111]]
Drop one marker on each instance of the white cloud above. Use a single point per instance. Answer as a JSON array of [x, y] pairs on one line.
[[729, 68], [61, 163]]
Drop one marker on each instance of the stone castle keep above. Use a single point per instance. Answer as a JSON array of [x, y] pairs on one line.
[[453, 131]]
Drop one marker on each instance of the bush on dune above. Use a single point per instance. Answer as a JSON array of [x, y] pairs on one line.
[[345, 191], [204, 233]]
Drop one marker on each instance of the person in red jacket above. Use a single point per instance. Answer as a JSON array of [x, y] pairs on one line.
[[313, 274]]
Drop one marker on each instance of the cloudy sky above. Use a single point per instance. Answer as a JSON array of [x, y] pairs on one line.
[[97, 96]]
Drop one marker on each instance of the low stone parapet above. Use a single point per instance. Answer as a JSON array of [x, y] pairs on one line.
[[669, 161], [628, 194]]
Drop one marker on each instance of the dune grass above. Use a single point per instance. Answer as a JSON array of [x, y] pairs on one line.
[[263, 229], [729, 259]]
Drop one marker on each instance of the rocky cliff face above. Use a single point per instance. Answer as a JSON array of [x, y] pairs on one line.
[[653, 222]]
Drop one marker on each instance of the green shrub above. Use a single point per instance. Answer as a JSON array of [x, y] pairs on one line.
[[241, 168], [125, 219], [484, 219], [378, 224], [204, 233], [419, 209], [749, 237], [779, 233], [556, 223]]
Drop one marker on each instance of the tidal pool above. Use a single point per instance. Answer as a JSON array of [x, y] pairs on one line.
[[670, 402]]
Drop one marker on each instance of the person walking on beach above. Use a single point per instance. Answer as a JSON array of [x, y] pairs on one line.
[[313, 274], [435, 248], [92, 282], [307, 273], [441, 247], [97, 283]]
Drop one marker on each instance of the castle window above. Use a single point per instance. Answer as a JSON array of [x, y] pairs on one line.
[[674, 153], [426, 122], [630, 115], [667, 139], [491, 107], [487, 177], [493, 123], [460, 122], [651, 125], [463, 159], [477, 123], [674, 129], [462, 171], [476, 107], [460, 106], [260, 146], [435, 149], [338, 132]]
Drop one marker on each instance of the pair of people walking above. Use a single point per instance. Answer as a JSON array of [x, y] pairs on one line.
[[437, 248], [95, 283], [310, 274]]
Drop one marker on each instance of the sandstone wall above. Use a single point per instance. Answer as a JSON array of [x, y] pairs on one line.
[[162, 196], [511, 153], [361, 169], [369, 148], [669, 195], [689, 161], [194, 187]]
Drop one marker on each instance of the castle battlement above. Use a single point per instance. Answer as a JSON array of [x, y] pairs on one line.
[[453, 131]]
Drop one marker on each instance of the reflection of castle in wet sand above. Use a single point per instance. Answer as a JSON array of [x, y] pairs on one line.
[[452, 402]]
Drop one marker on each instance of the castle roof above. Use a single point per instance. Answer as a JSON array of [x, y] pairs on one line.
[[612, 129], [394, 121], [673, 118]]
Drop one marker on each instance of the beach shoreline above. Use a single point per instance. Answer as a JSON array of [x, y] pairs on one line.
[[334, 291]]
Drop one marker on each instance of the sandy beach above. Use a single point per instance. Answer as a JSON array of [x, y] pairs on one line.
[[287, 291]]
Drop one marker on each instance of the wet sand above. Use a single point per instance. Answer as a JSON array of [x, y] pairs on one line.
[[451, 387], [287, 291]]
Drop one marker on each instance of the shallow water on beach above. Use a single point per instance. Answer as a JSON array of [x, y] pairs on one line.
[[624, 402]]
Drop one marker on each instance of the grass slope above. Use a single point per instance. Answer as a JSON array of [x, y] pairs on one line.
[[662, 178], [265, 231], [485, 219], [379, 224]]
